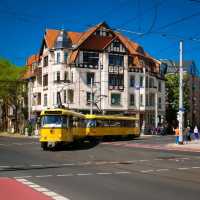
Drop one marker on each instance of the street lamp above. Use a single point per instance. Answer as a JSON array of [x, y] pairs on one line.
[[138, 103]]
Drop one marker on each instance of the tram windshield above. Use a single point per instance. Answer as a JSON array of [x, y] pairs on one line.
[[53, 121]]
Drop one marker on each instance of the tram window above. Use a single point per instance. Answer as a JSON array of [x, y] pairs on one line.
[[64, 122], [115, 123], [91, 123]]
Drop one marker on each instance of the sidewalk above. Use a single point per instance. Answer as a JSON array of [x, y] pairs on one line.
[[192, 145], [16, 135]]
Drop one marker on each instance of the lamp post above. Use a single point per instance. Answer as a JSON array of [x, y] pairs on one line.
[[138, 103], [181, 109]]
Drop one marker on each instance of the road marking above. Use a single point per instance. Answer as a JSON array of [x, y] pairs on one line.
[[5, 166], [44, 176], [43, 190], [143, 160], [146, 171], [122, 172], [162, 170], [85, 174], [21, 177], [68, 164], [103, 173], [36, 165], [195, 167], [64, 175], [182, 168]]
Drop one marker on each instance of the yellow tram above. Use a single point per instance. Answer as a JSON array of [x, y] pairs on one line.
[[62, 126]]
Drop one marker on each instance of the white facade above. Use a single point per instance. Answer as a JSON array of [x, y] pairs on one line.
[[73, 84]]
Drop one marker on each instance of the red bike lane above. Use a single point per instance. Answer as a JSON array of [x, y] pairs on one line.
[[11, 189]]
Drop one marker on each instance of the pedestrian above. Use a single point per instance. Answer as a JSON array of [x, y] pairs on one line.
[[177, 132], [185, 135], [189, 134], [196, 133]]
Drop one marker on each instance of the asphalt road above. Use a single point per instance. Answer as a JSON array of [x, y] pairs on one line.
[[110, 170]]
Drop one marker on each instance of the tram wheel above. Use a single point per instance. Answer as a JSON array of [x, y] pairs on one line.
[[44, 146]]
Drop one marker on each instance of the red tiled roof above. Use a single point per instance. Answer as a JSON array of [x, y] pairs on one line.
[[32, 59], [95, 42]]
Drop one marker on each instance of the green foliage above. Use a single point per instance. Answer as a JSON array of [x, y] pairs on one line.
[[172, 93], [12, 90]]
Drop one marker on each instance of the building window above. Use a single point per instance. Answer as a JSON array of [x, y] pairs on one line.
[[159, 102], [132, 100], [151, 99], [115, 99], [70, 95], [89, 96], [132, 81], [91, 58], [64, 96], [65, 56], [116, 60], [58, 76], [147, 82], [130, 61], [45, 99], [45, 61], [116, 80], [39, 98], [66, 76], [45, 80], [58, 98], [58, 58], [90, 75], [141, 100], [116, 44], [159, 86], [141, 81], [151, 83]]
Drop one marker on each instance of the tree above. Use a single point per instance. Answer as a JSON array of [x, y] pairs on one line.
[[12, 92], [172, 97]]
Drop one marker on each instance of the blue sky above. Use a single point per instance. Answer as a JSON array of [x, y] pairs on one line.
[[23, 22]]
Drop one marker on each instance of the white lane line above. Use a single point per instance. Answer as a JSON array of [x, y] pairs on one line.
[[86, 163], [162, 170], [104, 173], [122, 172], [158, 159], [143, 160], [183, 168], [34, 185], [113, 162], [64, 175], [68, 164], [146, 171], [44, 176], [5, 166], [195, 167], [43, 190], [36, 165], [21, 177], [84, 174]]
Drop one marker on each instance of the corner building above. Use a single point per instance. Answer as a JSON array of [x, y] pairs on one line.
[[126, 80]]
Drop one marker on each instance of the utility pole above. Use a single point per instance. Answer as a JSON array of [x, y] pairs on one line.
[[181, 109], [91, 96], [156, 108]]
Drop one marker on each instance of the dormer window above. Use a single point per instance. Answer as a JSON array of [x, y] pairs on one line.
[[103, 32], [45, 61]]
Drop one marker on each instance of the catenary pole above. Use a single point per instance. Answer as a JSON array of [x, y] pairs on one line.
[[181, 109], [91, 96]]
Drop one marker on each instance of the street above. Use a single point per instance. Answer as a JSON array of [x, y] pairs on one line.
[[110, 170]]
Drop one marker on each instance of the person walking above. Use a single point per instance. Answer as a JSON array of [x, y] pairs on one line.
[[185, 135], [177, 132], [196, 133]]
